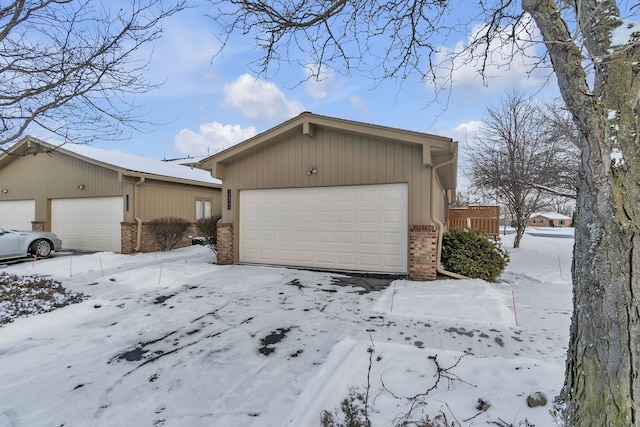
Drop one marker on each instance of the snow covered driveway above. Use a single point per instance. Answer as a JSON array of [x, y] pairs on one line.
[[170, 339]]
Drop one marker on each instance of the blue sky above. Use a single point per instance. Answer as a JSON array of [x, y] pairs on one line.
[[210, 102]]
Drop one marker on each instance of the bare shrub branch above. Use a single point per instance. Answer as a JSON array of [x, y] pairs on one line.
[[167, 232]]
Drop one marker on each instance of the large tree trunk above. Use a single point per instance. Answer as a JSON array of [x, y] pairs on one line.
[[602, 387]]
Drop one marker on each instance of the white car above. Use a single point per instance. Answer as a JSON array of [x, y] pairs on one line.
[[18, 244]]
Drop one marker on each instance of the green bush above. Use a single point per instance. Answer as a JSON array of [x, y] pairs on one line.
[[473, 253], [167, 232]]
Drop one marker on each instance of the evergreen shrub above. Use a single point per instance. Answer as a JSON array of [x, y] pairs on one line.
[[473, 253]]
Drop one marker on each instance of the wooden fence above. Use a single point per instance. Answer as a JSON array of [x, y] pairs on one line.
[[483, 218]]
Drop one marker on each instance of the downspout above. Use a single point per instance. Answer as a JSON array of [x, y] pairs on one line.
[[439, 269], [135, 214]]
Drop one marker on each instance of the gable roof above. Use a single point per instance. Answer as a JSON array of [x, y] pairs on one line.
[[435, 148], [123, 163], [550, 215]]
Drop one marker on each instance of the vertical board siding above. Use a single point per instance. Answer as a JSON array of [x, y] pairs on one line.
[[55, 175], [340, 158], [174, 200]]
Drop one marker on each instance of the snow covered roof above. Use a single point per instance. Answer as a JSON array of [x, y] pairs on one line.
[[129, 164], [550, 215]]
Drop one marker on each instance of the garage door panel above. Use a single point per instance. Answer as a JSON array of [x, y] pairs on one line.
[[88, 223], [325, 258], [325, 216], [17, 214], [304, 236], [349, 237], [354, 228], [305, 257], [348, 258], [367, 238], [303, 216]]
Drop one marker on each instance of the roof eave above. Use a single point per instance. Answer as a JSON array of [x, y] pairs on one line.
[[309, 121], [136, 174]]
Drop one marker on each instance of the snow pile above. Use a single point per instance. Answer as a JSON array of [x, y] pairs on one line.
[[170, 339]]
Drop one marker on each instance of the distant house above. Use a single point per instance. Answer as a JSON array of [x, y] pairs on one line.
[[549, 219], [98, 199], [324, 192]]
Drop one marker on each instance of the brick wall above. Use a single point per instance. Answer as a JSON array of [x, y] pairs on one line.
[[128, 231], [225, 243], [423, 246]]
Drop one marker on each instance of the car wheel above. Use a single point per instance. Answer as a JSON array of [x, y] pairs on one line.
[[41, 248]]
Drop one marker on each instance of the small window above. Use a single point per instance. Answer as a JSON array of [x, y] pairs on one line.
[[203, 208]]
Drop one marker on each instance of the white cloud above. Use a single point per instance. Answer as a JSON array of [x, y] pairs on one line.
[[212, 138], [506, 66], [359, 104], [464, 130], [261, 101], [320, 86]]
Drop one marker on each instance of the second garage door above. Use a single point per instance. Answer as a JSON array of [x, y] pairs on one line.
[[352, 228], [88, 224], [17, 214]]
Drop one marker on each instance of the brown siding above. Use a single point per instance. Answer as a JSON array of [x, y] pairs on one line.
[[340, 158], [55, 175], [160, 199]]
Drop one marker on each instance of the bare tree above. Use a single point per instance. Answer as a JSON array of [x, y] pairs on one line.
[[464, 199], [69, 66], [520, 155], [595, 53]]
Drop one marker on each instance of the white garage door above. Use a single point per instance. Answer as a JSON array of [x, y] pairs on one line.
[[89, 223], [17, 214], [353, 228]]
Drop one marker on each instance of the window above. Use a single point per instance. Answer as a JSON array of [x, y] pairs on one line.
[[203, 208]]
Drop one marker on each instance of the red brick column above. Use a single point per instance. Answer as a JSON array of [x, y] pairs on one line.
[[37, 225], [128, 233], [423, 246], [225, 243]]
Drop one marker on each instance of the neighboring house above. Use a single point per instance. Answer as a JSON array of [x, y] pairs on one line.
[[98, 199], [328, 193], [549, 219]]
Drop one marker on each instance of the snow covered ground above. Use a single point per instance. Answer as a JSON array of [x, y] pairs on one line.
[[169, 339]]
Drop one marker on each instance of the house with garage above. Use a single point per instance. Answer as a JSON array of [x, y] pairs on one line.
[[328, 193], [98, 200], [549, 219]]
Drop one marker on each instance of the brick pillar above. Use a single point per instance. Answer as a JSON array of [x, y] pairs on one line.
[[423, 246], [128, 233], [37, 225], [225, 243]]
